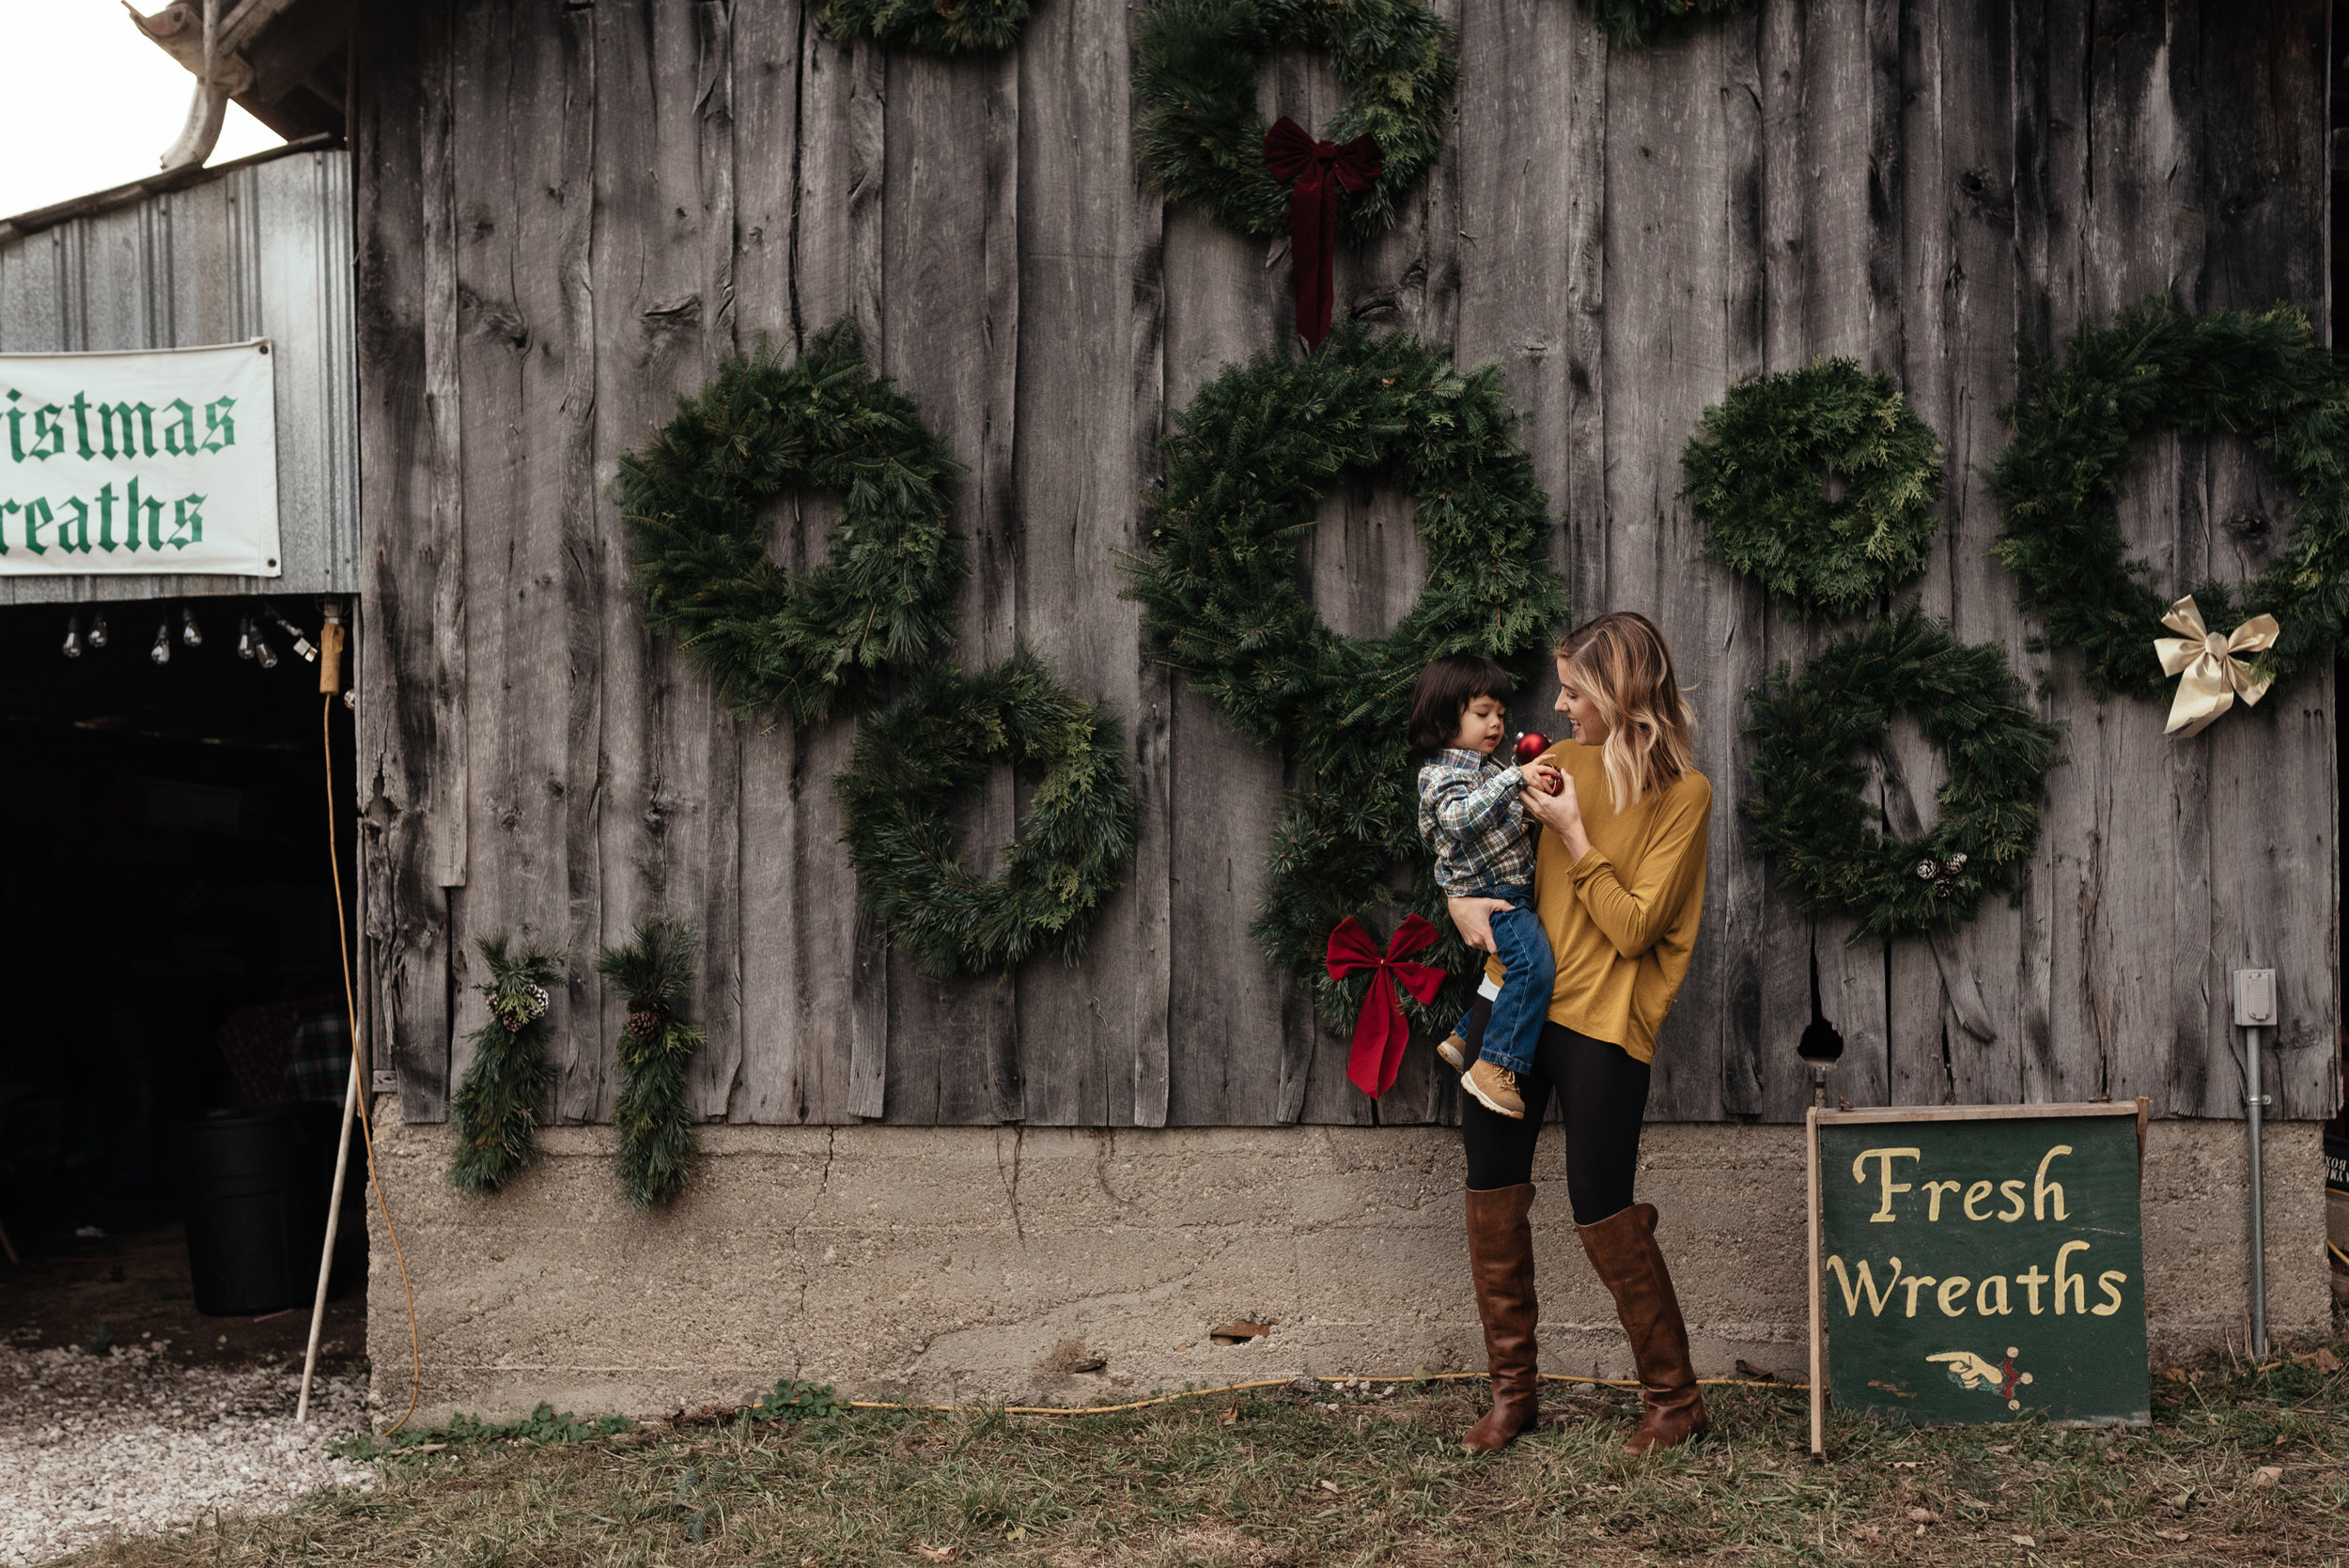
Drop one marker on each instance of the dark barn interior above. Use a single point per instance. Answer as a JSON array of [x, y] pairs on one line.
[[167, 935]]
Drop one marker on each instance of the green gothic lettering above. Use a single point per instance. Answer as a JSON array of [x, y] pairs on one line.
[[179, 431], [36, 517], [222, 429], [154, 510], [48, 426], [187, 526], [112, 414], [73, 533]]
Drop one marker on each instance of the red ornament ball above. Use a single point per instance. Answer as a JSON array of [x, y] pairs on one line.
[[1530, 745]]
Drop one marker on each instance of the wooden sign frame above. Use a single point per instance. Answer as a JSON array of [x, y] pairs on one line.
[[1819, 1117]]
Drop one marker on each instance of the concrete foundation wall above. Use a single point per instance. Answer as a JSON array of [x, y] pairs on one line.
[[956, 1264]]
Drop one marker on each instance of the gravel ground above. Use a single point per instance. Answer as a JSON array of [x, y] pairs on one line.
[[131, 1442]]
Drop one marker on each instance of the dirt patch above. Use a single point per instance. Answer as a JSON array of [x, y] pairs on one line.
[[132, 1290]]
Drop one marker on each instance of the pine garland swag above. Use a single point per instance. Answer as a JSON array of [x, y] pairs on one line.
[[505, 1088], [1247, 466], [1753, 468], [654, 971], [930, 27], [691, 501], [1200, 136], [1809, 814], [2262, 376], [1636, 22], [914, 758]]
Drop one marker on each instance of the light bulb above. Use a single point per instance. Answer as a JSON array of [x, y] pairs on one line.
[[160, 652], [301, 644], [189, 632], [74, 637], [98, 632], [261, 651]]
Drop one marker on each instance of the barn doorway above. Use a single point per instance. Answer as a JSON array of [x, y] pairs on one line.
[[170, 953]]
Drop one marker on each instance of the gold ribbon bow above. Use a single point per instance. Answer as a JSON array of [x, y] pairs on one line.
[[2209, 675]]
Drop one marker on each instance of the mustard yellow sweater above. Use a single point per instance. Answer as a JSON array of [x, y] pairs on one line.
[[1623, 919]]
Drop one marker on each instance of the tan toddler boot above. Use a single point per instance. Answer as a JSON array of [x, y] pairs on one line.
[[1495, 1088]]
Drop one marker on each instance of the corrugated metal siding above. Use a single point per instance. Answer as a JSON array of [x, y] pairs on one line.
[[264, 251]]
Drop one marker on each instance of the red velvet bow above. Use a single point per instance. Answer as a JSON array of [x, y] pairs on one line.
[[1320, 169], [1380, 1030]]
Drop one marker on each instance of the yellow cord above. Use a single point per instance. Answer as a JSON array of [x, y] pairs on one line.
[[367, 1134], [1283, 1382]]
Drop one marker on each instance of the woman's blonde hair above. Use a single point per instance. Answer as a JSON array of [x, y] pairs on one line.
[[1623, 665]]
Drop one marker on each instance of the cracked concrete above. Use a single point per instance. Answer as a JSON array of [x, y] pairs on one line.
[[956, 1264]]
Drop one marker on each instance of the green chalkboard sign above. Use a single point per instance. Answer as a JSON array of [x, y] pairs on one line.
[[1978, 1264]]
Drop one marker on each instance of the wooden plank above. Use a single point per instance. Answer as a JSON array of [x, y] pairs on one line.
[[1499, 198], [950, 308], [1739, 915], [795, 90], [1241, 1037], [409, 736], [1673, 237], [1957, 277], [1091, 1039], [1885, 1115], [665, 805], [524, 98], [1816, 97], [2096, 131], [2251, 93]]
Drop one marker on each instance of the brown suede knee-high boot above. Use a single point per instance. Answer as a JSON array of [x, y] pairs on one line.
[[1623, 1249], [1500, 1254]]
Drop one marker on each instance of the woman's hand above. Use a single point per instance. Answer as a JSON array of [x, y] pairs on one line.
[[1562, 814], [1474, 919]]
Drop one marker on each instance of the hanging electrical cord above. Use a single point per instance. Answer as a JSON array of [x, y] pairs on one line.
[[332, 639]]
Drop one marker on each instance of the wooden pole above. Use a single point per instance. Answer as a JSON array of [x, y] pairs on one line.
[[1818, 1360], [330, 680], [334, 1223]]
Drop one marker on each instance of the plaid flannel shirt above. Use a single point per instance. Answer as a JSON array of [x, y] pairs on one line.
[[1472, 815]]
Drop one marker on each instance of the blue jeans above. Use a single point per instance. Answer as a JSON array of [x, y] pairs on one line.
[[1523, 1005]]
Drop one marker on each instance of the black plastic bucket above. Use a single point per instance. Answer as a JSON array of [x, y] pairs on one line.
[[252, 1182]]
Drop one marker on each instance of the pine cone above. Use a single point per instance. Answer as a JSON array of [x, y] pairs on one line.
[[646, 1018]]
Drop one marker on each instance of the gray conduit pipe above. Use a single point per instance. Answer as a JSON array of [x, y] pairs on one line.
[[2254, 1011]]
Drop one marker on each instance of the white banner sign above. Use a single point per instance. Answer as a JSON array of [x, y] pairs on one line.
[[160, 460]]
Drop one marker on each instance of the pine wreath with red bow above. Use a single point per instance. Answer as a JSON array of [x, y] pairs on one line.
[[1203, 141]]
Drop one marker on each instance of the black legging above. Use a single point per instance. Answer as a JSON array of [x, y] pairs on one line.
[[1604, 1092]]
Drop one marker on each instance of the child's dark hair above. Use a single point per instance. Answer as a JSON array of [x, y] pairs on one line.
[[1445, 691]]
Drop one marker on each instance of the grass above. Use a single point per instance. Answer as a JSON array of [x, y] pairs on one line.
[[1348, 1475]]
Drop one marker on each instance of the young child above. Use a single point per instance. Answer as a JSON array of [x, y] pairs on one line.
[[1470, 815]]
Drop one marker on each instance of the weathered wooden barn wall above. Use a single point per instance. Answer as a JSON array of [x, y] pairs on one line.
[[566, 212]]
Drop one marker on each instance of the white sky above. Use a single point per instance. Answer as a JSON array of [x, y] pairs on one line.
[[87, 101]]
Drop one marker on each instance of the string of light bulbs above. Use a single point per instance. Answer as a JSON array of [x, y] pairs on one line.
[[252, 638]]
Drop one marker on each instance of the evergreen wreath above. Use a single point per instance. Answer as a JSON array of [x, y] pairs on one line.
[[931, 26], [1246, 467], [690, 500], [1809, 814], [1202, 138], [2262, 376], [654, 970], [1634, 21], [915, 756], [505, 1092], [1753, 470]]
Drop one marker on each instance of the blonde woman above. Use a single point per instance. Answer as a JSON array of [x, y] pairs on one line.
[[1618, 886]]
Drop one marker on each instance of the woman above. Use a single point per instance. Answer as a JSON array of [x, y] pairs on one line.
[[1618, 885]]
